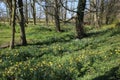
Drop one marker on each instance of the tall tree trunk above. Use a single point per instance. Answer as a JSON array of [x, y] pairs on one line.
[[22, 23], [33, 11], [96, 13], [101, 12], [26, 12], [56, 15], [65, 13], [9, 2], [10, 12], [94, 6], [13, 25], [46, 12], [80, 19]]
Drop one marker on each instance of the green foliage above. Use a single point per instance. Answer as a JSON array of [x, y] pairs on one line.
[[59, 56]]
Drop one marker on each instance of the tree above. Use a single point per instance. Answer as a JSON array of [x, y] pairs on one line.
[[111, 10], [63, 14], [22, 23], [80, 19], [95, 10], [46, 12], [13, 24], [52, 7], [9, 5], [103, 11], [26, 11], [56, 15], [33, 10]]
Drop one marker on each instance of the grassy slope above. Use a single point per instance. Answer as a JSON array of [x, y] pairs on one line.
[[59, 56]]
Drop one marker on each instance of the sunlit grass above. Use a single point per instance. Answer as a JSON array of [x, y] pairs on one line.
[[60, 56]]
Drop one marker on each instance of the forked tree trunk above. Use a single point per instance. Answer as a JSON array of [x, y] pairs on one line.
[[22, 23], [80, 19]]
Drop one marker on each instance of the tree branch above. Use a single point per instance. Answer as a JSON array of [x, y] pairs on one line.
[[67, 8]]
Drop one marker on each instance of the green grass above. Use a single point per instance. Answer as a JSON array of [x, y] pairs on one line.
[[50, 55]]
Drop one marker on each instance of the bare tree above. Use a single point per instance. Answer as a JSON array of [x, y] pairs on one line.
[[57, 18], [9, 4], [63, 14], [33, 6], [13, 24], [111, 10], [26, 11], [46, 12], [22, 23], [53, 9], [80, 19]]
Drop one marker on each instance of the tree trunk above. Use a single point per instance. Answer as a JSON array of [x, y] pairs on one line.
[[80, 19], [46, 18], [13, 25], [46, 12], [95, 15], [56, 15], [33, 11], [22, 23], [10, 12], [65, 13], [26, 12], [9, 2], [102, 9]]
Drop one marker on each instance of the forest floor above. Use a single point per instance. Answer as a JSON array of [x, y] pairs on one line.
[[50, 55]]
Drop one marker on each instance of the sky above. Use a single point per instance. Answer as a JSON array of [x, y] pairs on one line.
[[2, 9]]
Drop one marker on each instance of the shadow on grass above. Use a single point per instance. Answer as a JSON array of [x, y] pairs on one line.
[[113, 74], [98, 33], [63, 38], [110, 31], [52, 40]]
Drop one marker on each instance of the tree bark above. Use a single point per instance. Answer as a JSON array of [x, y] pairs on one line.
[[46, 12], [33, 11], [9, 2], [26, 12], [22, 23], [65, 12], [13, 25], [80, 19], [56, 15]]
